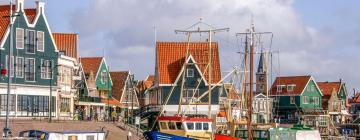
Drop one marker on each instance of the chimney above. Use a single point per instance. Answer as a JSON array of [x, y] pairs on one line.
[[354, 92], [19, 5], [40, 6], [340, 80]]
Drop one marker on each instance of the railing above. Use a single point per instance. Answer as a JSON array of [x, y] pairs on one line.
[[90, 99]]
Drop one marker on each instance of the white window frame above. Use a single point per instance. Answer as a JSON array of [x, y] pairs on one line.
[[27, 39], [290, 86], [20, 40], [11, 70], [38, 41], [279, 88], [21, 75], [292, 100], [46, 70], [189, 72], [26, 59], [305, 100], [316, 100], [103, 77]]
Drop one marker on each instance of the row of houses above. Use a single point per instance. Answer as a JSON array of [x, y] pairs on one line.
[[47, 75]]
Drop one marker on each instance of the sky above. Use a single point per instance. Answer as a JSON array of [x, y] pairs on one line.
[[319, 38]]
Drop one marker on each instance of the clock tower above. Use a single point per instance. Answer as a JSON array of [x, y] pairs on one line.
[[261, 75]]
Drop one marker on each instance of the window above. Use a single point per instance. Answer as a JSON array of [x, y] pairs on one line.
[[19, 38], [46, 69], [30, 69], [290, 87], [163, 125], [61, 53], [190, 126], [65, 105], [30, 41], [280, 88], [190, 72], [40, 41], [206, 126], [72, 137], [11, 64], [20, 67], [292, 100], [311, 88], [198, 126], [171, 125], [316, 100], [305, 100], [188, 94], [90, 137], [179, 126], [103, 77], [3, 101]]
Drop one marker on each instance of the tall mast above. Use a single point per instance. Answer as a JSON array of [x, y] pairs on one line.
[[210, 72], [252, 41]]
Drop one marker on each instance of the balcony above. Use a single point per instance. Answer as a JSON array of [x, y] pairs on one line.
[[90, 99]]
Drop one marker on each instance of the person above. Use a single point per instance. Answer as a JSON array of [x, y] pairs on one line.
[[114, 115]]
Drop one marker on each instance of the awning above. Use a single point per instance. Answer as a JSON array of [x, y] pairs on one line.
[[111, 102], [344, 112], [91, 103]]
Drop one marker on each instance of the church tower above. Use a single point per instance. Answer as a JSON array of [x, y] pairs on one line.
[[261, 75]]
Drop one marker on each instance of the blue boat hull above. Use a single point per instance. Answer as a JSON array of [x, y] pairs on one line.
[[155, 135]]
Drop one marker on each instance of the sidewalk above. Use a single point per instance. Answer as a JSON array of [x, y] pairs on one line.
[[115, 132]]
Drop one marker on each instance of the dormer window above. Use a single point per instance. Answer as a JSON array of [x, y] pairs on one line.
[[190, 72], [290, 87], [280, 88]]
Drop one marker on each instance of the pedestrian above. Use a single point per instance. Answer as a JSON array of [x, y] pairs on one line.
[[114, 116]]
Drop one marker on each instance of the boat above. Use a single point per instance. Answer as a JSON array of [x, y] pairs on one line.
[[65, 135]]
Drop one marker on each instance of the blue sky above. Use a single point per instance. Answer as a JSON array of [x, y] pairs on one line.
[[319, 37]]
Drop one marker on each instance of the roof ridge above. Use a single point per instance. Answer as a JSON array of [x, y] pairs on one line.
[[64, 33]]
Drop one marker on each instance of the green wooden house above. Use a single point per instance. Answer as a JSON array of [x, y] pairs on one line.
[[96, 91], [169, 74], [33, 62], [295, 96]]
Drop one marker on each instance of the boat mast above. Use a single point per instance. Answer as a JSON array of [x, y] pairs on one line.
[[249, 121]]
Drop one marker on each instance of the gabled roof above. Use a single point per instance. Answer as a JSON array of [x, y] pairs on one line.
[[67, 42], [4, 17], [356, 99], [170, 56], [119, 81], [231, 94], [91, 64], [300, 83], [328, 87]]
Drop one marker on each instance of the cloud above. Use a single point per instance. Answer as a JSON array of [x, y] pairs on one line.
[[125, 29]]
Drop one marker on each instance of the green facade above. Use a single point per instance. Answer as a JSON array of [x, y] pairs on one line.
[[311, 92], [191, 83], [105, 84], [49, 52]]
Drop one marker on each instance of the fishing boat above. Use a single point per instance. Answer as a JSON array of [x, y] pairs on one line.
[[183, 127], [65, 135]]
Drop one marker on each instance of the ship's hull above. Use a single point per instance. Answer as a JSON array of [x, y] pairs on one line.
[[155, 135]]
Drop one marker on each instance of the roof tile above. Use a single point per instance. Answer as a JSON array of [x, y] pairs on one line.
[[67, 43], [171, 56], [299, 82], [90, 64]]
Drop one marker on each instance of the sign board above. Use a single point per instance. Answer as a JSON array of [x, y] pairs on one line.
[[137, 120]]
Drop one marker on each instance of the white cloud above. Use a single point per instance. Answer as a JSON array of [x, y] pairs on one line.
[[125, 28]]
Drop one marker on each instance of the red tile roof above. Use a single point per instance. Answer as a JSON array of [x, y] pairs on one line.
[[232, 92], [328, 87], [111, 101], [67, 43], [118, 79], [356, 99], [4, 17], [299, 82], [90, 64], [171, 56], [30, 14]]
